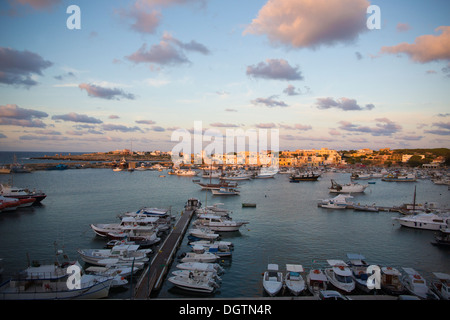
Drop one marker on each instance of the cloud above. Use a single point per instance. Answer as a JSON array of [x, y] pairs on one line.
[[145, 121], [305, 23], [384, 127], [403, 27], [158, 129], [169, 51], [113, 116], [44, 138], [297, 126], [358, 55], [36, 4], [145, 19], [75, 117], [105, 93], [297, 137], [17, 67], [65, 75], [121, 128], [425, 48], [223, 125], [278, 69], [14, 115], [345, 104], [167, 3], [293, 91], [269, 102], [265, 125], [444, 129]]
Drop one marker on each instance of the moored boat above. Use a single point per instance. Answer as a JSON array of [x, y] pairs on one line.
[[293, 279], [316, 280], [347, 188], [272, 280], [340, 276], [391, 281], [20, 193]]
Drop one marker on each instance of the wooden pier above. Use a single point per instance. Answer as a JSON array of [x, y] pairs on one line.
[[153, 276]]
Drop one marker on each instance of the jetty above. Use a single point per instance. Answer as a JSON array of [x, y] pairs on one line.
[[153, 276]]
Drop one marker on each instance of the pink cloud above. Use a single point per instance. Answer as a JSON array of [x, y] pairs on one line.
[[38, 4], [305, 23], [425, 48]]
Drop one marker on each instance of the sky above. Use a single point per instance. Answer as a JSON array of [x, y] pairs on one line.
[[130, 74]]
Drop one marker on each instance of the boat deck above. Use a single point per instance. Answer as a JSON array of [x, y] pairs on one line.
[[153, 276]]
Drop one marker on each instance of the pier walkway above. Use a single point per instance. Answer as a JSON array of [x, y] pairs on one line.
[[153, 276]]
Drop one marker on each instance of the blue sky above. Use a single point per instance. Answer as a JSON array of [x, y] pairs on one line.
[[138, 70]]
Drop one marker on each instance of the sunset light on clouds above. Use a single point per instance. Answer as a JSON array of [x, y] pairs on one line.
[[138, 70]]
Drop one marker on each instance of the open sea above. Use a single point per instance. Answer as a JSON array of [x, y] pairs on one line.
[[287, 226]]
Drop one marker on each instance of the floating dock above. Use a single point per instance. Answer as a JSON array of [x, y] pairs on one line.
[[153, 276]]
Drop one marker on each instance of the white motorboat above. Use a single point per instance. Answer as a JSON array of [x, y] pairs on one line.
[[427, 221], [199, 257], [225, 191], [127, 224], [441, 285], [316, 281], [338, 202], [201, 266], [391, 281], [218, 223], [50, 282], [236, 176], [186, 172], [204, 285], [272, 280], [221, 251], [203, 233], [416, 284], [124, 253], [293, 279], [207, 243], [347, 188], [358, 266], [340, 276], [396, 177], [115, 273], [211, 275]]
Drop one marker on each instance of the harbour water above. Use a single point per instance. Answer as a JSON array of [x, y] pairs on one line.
[[287, 226]]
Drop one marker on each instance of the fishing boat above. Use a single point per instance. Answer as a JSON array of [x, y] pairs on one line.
[[124, 253], [293, 279], [391, 281], [304, 176], [225, 191], [316, 281], [198, 257], [272, 280], [416, 284], [426, 221], [21, 193], [347, 188], [340, 276], [50, 282], [441, 285], [194, 283], [397, 177], [218, 223]]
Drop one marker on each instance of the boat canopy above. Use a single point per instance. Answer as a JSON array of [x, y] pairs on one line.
[[390, 271], [272, 267], [317, 275], [294, 268]]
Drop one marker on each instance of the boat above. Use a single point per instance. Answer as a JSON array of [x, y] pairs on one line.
[[126, 225], [208, 243], [218, 223], [293, 279], [5, 170], [211, 186], [220, 251], [117, 169], [50, 282], [397, 177], [347, 188], [193, 204], [236, 176], [340, 276], [426, 221], [124, 253], [416, 284], [365, 207], [20, 193], [202, 233], [361, 176], [272, 280], [391, 282], [264, 175], [118, 273], [441, 285], [198, 257], [338, 202], [316, 280], [225, 191], [305, 176], [442, 239], [248, 205], [9, 204], [358, 266], [201, 266], [186, 172], [196, 284]]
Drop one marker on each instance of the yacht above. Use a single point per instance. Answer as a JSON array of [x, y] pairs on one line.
[[218, 223], [21, 193], [416, 284], [340, 276], [347, 188], [427, 221]]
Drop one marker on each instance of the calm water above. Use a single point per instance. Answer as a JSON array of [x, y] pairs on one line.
[[286, 227]]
